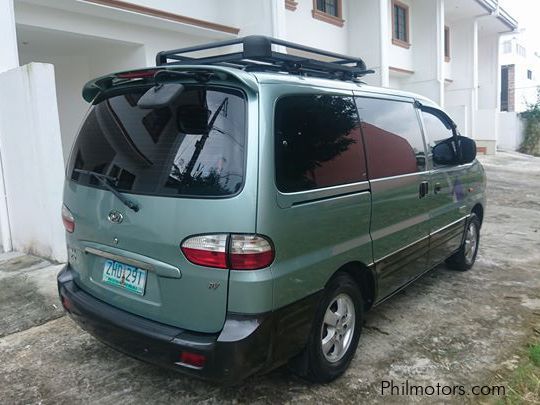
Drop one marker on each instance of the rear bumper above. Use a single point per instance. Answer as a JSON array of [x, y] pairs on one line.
[[242, 348]]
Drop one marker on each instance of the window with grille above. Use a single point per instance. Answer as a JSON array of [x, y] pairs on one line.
[[521, 51], [329, 7], [504, 88], [400, 23]]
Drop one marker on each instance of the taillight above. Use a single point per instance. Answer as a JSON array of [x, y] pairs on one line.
[[250, 252], [67, 219], [207, 250], [236, 251]]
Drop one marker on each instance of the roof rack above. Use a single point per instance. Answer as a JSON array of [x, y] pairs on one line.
[[257, 55]]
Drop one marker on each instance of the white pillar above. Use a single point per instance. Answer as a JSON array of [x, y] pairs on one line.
[[9, 59], [278, 19], [369, 37], [33, 162], [474, 101], [9, 55], [487, 116], [384, 17], [461, 95], [427, 33], [440, 50]]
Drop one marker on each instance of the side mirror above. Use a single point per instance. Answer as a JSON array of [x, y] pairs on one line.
[[468, 149], [444, 153]]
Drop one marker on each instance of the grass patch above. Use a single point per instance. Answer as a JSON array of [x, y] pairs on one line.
[[523, 385], [534, 354]]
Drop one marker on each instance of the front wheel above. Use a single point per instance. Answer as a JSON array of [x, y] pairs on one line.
[[465, 257], [336, 330]]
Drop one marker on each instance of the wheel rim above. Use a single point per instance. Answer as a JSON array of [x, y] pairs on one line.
[[471, 242], [338, 328]]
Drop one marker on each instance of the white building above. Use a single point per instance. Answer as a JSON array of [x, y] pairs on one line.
[[444, 49], [520, 81], [520, 74]]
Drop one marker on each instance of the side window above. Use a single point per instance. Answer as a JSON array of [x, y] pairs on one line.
[[394, 142], [437, 132], [317, 142]]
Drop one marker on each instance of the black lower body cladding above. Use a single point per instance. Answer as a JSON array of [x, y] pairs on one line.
[[246, 345]]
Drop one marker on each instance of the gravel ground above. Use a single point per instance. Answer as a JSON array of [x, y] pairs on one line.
[[449, 328]]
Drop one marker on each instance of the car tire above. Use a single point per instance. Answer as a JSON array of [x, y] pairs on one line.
[[465, 257], [335, 331]]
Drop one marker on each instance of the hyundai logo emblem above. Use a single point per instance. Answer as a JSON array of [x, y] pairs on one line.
[[115, 217]]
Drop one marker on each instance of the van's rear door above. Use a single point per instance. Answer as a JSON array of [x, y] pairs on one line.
[[186, 166]]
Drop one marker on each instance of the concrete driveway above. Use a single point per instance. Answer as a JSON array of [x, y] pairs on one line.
[[449, 328]]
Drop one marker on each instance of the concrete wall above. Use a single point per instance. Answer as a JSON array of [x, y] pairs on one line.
[[32, 159], [368, 37], [301, 27], [510, 131]]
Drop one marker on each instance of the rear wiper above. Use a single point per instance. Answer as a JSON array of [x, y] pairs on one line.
[[105, 181]]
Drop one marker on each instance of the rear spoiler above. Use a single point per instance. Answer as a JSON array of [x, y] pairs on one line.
[[97, 89]]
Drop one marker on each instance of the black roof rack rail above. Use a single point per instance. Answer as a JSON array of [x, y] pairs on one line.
[[257, 55]]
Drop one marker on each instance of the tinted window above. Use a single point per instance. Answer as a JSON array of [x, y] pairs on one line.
[[436, 132], [151, 151], [328, 6], [394, 142], [318, 142]]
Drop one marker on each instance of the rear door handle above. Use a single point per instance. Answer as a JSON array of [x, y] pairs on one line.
[[437, 188], [423, 189]]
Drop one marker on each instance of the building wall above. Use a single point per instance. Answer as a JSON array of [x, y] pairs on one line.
[[398, 56], [302, 28], [427, 16], [523, 88], [510, 131]]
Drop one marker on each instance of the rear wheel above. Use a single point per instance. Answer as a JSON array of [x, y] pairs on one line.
[[335, 331], [465, 257]]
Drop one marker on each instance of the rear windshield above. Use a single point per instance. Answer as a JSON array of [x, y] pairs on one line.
[[165, 151]]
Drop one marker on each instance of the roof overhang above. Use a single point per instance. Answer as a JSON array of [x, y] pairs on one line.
[[492, 7], [125, 12]]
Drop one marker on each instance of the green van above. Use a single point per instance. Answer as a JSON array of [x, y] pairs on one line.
[[229, 214]]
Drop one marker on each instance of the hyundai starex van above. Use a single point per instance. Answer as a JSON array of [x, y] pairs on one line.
[[229, 214]]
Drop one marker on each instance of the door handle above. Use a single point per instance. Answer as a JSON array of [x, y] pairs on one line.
[[423, 189], [437, 188]]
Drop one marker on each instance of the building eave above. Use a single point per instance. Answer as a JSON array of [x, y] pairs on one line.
[[493, 7]]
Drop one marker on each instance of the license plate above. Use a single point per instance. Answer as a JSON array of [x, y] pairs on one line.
[[124, 276]]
